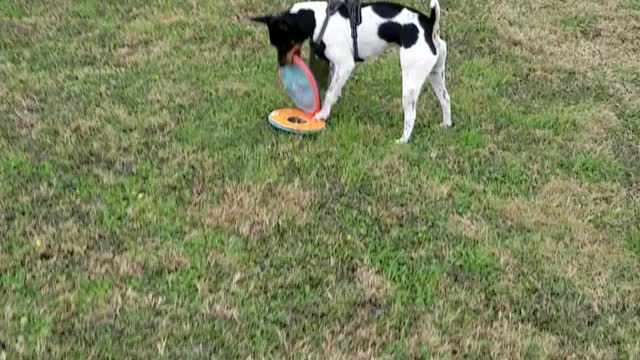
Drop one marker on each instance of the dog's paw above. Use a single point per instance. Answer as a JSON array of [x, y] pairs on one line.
[[321, 115], [402, 141], [445, 125]]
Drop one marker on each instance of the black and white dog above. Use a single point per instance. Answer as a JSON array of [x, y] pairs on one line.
[[422, 52]]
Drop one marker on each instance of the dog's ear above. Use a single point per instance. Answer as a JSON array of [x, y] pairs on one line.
[[281, 22], [265, 19]]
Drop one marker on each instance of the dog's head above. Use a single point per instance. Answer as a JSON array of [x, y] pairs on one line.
[[288, 31]]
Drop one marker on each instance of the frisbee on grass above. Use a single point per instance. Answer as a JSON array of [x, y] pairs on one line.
[[295, 121]]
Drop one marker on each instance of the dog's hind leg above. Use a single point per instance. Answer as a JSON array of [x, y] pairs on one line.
[[415, 69], [437, 80]]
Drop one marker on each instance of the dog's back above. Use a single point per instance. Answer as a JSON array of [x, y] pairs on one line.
[[383, 23]]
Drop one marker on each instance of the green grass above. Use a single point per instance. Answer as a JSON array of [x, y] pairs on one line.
[[148, 209]]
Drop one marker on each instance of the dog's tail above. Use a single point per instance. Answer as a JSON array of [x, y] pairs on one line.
[[434, 18]]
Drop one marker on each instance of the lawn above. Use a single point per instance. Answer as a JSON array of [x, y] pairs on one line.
[[147, 208]]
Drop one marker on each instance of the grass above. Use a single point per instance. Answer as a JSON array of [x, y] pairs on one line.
[[147, 208]]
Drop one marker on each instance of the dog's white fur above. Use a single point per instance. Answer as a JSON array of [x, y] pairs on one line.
[[418, 61]]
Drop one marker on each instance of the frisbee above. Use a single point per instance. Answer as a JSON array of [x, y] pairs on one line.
[[295, 121], [301, 85]]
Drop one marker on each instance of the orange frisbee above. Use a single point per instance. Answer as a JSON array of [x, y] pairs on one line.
[[295, 121]]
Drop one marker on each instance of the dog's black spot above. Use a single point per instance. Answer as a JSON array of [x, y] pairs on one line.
[[402, 35], [319, 49], [427, 24], [306, 21], [387, 10], [409, 35], [391, 32]]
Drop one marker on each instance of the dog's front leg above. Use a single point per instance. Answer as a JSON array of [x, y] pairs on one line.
[[340, 75]]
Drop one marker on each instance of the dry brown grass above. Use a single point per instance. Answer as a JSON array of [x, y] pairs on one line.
[[54, 241], [587, 254], [3, 91], [608, 45], [468, 332], [390, 214], [30, 28], [167, 89], [501, 339], [220, 311], [148, 20], [471, 228], [395, 166], [374, 287], [133, 300], [566, 204], [595, 130], [29, 118], [509, 340], [533, 29], [355, 340], [138, 42], [120, 264], [359, 338], [254, 210], [132, 53]]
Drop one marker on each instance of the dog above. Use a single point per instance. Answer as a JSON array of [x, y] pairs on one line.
[[423, 52]]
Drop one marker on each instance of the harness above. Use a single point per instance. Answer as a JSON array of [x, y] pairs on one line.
[[354, 10]]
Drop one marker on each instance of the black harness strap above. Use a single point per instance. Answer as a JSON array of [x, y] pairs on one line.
[[354, 9], [355, 18]]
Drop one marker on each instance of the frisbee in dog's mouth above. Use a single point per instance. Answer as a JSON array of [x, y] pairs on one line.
[[301, 86]]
